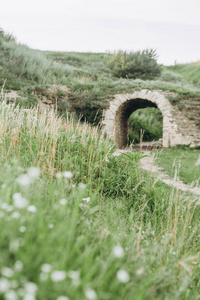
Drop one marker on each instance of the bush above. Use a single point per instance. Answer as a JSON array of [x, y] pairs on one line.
[[140, 64]]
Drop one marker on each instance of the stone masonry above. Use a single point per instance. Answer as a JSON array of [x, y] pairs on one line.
[[177, 128]]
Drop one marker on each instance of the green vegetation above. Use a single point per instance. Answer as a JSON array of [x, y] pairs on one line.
[[140, 64], [189, 72], [79, 223], [147, 122], [185, 161], [88, 77]]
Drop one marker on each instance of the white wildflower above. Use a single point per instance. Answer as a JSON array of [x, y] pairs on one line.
[[4, 285], [33, 172], [7, 272], [5, 206], [87, 200], [67, 174], [15, 215], [28, 296], [62, 298], [32, 208], [118, 251], [51, 226], [58, 175], [22, 229], [63, 201], [18, 265], [58, 276], [14, 245], [11, 295], [123, 276], [46, 268], [90, 294], [140, 271], [23, 180], [75, 276], [82, 185], [30, 288], [19, 201]]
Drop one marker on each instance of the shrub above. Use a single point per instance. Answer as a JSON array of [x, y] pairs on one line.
[[140, 64]]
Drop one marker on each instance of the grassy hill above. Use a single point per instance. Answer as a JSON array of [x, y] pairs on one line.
[[77, 222], [86, 75]]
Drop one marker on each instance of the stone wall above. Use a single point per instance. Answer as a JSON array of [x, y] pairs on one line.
[[177, 128]]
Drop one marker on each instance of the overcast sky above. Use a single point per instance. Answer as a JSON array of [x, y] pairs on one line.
[[170, 26]]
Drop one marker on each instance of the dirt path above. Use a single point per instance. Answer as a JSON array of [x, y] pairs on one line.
[[148, 164]]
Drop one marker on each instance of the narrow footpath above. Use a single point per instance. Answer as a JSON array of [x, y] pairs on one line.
[[148, 164]]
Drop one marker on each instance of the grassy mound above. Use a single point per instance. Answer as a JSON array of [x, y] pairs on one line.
[[87, 75]]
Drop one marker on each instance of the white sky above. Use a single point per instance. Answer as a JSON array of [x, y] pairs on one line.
[[170, 26]]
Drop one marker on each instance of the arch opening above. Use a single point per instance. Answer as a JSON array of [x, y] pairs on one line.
[[122, 116], [146, 125]]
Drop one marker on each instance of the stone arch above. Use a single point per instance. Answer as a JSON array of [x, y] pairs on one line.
[[115, 121]]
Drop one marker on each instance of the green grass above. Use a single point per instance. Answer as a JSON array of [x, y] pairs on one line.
[[87, 75], [186, 162], [73, 223], [189, 72], [150, 121]]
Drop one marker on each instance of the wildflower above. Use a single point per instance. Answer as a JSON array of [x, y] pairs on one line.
[[62, 298], [51, 226], [11, 295], [57, 276], [118, 251], [82, 185], [63, 201], [18, 265], [67, 174], [123, 276], [90, 294], [75, 276], [58, 175], [140, 271], [30, 288], [19, 201], [87, 200], [46, 268], [7, 272], [33, 172], [32, 208], [15, 215], [29, 297], [4, 285], [23, 180], [22, 229], [5, 206]]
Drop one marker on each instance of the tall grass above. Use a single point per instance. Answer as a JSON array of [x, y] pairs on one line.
[[80, 223]]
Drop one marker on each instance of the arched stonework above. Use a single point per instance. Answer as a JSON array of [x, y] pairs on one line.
[[115, 118]]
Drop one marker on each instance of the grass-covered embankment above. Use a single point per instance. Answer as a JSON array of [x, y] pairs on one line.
[[186, 162], [78, 223]]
